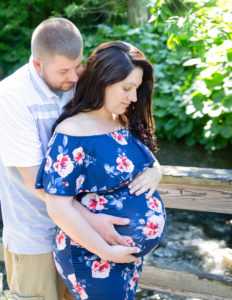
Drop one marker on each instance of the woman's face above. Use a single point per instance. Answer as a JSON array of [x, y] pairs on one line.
[[119, 96]]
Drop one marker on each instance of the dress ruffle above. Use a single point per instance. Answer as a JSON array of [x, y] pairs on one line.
[[97, 163]]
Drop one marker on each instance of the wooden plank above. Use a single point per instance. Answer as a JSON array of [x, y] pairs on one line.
[[195, 285], [198, 176], [200, 189], [196, 197]]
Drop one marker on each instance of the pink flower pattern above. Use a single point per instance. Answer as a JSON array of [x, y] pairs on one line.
[[79, 155], [77, 287], [133, 280], [124, 164], [94, 202], [154, 227], [119, 138], [79, 181], [154, 204], [48, 164], [60, 240], [100, 269], [63, 165]]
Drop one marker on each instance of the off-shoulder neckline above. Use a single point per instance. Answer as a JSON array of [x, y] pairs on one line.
[[91, 136]]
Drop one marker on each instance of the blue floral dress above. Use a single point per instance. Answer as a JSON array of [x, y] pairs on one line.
[[96, 170]]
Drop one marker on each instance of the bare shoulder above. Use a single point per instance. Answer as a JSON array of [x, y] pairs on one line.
[[71, 126]]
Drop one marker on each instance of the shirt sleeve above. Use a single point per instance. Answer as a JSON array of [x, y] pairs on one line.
[[20, 142], [60, 174]]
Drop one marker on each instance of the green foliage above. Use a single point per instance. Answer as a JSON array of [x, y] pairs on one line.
[[191, 56], [17, 21], [87, 14], [188, 43], [199, 84]]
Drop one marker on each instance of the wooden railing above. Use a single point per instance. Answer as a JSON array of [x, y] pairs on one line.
[[199, 189], [208, 190]]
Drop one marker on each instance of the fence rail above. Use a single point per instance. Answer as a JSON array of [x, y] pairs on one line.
[[199, 189]]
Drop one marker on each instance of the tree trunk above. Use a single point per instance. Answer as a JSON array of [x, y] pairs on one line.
[[137, 12]]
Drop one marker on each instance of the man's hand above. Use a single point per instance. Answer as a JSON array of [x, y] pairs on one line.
[[120, 254], [148, 180], [103, 224]]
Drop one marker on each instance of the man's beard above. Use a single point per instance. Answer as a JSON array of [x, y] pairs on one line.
[[57, 87]]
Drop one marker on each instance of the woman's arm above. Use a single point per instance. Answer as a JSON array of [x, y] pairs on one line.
[[68, 218]]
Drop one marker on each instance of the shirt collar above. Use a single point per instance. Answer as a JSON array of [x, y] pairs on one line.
[[39, 83]]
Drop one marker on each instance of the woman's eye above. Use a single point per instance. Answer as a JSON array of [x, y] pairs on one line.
[[126, 89]]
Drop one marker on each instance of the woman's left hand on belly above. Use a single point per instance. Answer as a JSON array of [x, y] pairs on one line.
[[148, 180]]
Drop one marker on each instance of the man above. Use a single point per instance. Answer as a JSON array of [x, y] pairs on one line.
[[31, 100]]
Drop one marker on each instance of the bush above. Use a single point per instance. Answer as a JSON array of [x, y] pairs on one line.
[[191, 54], [198, 80]]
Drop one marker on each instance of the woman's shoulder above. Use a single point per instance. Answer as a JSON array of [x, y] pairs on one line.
[[71, 126]]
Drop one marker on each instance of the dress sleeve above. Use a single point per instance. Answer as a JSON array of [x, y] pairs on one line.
[[61, 172]]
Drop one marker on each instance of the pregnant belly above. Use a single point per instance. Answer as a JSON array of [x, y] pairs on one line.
[[147, 217]]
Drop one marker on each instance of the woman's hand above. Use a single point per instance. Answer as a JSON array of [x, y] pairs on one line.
[[148, 180]]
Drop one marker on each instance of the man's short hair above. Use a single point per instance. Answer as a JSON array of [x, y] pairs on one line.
[[56, 36]]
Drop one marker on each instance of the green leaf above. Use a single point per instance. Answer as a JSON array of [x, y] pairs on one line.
[[226, 132], [160, 112], [198, 101], [170, 124], [190, 141], [162, 102], [183, 129], [227, 102]]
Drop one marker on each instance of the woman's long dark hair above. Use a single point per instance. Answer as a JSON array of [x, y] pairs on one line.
[[110, 63]]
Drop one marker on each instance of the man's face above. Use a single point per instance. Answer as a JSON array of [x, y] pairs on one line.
[[61, 73]]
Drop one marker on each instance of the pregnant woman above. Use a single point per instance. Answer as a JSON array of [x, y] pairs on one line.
[[103, 139]]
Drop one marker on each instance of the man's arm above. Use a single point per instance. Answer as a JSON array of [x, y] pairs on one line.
[[29, 176], [103, 224]]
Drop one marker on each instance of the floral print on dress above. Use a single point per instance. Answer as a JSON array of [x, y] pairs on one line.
[[155, 204], [100, 269], [119, 138], [77, 287], [154, 227], [79, 155], [48, 164], [94, 202], [60, 240], [124, 164], [79, 182], [63, 165], [133, 281]]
